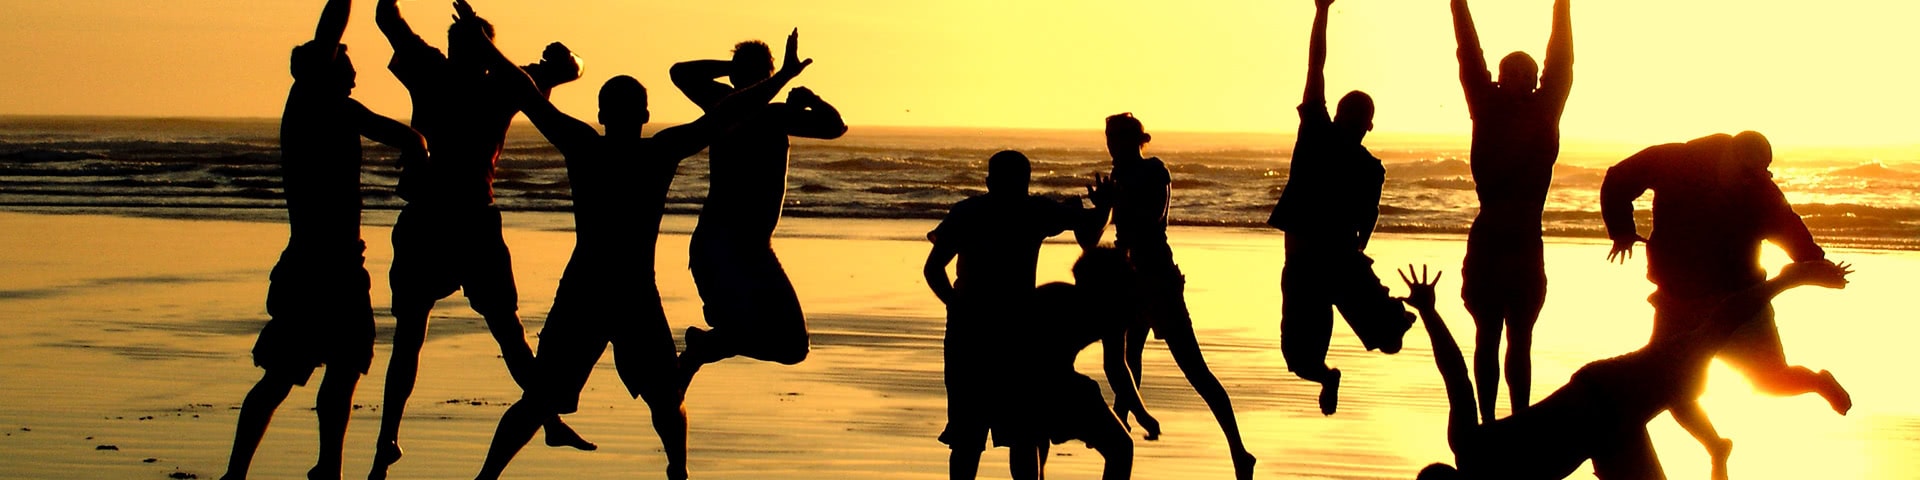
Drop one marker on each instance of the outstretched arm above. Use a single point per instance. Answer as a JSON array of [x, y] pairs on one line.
[[1474, 78], [1317, 56], [1557, 80], [333, 22], [684, 140], [1462, 415], [386, 15], [699, 80], [1625, 182], [809, 116]]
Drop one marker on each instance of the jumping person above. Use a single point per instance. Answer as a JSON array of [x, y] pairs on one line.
[[1516, 139], [1714, 205], [750, 303], [1328, 210], [448, 235], [318, 300], [619, 184], [996, 237], [1602, 412]]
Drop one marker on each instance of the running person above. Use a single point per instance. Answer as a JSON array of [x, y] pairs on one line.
[[1144, 194], [1328, 209], [1516, 139], [619, 184], [750, 303], [1602, 412], [448, 235], [321, 311]]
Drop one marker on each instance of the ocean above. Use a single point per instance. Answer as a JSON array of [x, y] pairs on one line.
[[228, 168]]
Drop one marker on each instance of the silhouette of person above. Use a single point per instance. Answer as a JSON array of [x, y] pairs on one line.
[[750, 303], [619, 184], [448, 235], [1143, 195], [996, 237], [1328, 209], [1051, 403], [1516, 138], [318, 300], [1602, 411], [1714, 204]]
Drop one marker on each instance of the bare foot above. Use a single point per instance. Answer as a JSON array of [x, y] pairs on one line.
[[324, 473], [1243, 465], [1836, 395], [561, 435], [1330, 392], [676, 472], [384, 456]]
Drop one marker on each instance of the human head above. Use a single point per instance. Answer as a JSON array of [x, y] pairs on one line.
[[1747, 157], [1354, 115], [1008, 173], [1126, 134], [752, 62], [323, 66], [1438, 471], [1519, 73], [460, 48], [623, 103]]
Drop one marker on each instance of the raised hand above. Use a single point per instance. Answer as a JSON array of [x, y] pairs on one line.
[[1100, 192], [791, 65], [463, 11], [1623, 249], [1421, 288]]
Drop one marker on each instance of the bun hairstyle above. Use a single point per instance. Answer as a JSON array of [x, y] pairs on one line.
[[1124, 126]]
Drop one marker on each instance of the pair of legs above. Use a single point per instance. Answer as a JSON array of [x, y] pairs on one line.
[[321, 315], [1062, 408], [750, 305], [1170, 321], [1317, 279], [1504, 291], [436, 252], [1755, 351], [576, 335]]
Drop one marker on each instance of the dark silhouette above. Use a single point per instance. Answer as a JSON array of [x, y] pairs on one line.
[[996, 238], [448, 235], [1516, 138], [750, 303], [1714, 204], [321, 311], [1054, 403], [1328, 209], [619, 184], [1601, 413], [1140, 205]]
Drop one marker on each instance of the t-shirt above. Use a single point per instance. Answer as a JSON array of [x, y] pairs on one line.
[[1140, 213], [320, 156], [1333, 185], [998, 242]]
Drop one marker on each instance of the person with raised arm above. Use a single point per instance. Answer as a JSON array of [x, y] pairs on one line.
[[996, 237], [448, 235], [320, 308], [1142, 200], [751, 307], [1602, 411], [1328, 210], [1714, 206], [619, 183], [1516, 139]]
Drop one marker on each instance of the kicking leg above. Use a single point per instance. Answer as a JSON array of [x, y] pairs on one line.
[[515, 430], [409, 333], [1186, 354], [1306, 328], [1694, 419]]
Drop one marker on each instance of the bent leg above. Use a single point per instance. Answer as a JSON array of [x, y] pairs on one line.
[[515, 430], [1627, 455], [409, 334]]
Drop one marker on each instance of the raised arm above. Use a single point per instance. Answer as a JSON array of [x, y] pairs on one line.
[[563, 131], [1474, 77], [333, 22], [1317, 55], [1625, 182], [1462, 414], [685, 140], [699, 80], [386, 15], [809, 116], [1556, 81], [1126, 394]]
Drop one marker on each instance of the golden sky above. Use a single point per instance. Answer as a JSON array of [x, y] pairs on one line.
[[1836, 72]]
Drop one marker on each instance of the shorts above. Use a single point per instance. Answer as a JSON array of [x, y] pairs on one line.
[[587, 316], [321, 314], [748, 294], [1504, 281], [1070, 407], [438, 250], [1164, 289]]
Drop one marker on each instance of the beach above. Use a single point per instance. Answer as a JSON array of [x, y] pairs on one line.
[[128, 338]]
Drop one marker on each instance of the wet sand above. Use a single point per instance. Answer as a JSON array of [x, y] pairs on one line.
[[133, 333]]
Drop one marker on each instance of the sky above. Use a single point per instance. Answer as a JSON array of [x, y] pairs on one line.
[[1833, 73]]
